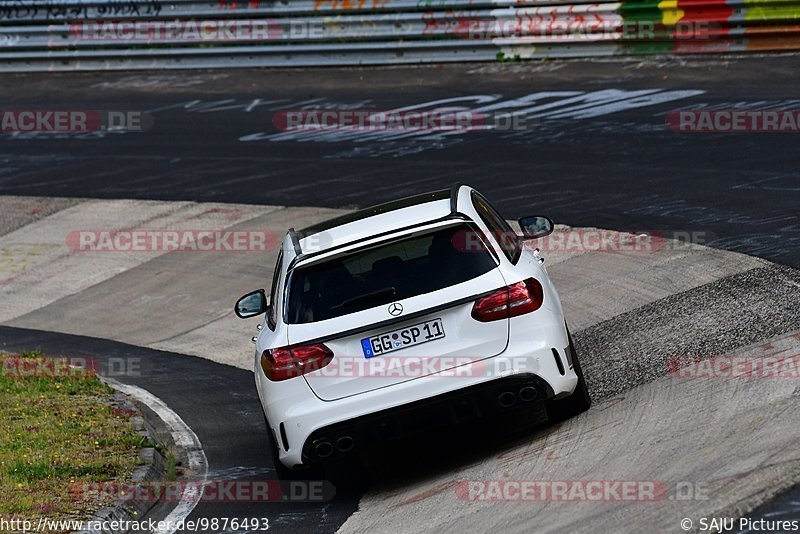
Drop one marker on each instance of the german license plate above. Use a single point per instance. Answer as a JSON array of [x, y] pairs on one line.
[[402, 338]]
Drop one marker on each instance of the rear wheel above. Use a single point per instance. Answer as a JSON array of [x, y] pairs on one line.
[[578, 402]]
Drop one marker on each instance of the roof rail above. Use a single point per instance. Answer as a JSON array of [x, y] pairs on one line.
[[295, 242], [454, 197]]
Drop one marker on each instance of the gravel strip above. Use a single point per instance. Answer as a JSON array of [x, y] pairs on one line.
[[736, 311], [16, 212]]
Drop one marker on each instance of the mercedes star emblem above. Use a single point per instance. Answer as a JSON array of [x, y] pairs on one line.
[[395, 308]]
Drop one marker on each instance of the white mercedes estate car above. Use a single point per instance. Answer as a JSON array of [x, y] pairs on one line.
[[413, 310]]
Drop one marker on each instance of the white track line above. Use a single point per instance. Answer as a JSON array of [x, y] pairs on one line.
[[186, 439]]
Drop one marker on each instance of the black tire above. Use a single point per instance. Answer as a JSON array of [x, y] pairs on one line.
[[578, 402]]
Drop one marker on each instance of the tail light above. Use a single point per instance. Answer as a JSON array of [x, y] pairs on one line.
[[510, 301], [288, 362]]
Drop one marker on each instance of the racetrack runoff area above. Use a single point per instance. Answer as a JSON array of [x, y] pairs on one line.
[[635, 315]]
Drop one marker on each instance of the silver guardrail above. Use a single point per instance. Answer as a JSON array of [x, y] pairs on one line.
[[50, 35]]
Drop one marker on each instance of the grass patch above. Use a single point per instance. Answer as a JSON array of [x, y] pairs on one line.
[[58, 432], [172, 466]]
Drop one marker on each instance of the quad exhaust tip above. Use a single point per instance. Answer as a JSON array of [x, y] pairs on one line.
[[506, 399], [528, 393], [345, 443], [323, 449]]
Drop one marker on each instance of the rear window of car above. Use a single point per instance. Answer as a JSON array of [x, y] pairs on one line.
[[385, 273]]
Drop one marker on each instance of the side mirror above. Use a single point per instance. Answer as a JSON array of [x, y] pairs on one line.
[[252, 304], [535, 226]]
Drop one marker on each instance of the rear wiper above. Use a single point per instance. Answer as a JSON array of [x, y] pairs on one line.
[[378, 294]]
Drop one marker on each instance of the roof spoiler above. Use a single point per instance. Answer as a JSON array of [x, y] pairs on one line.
[[454, 197]]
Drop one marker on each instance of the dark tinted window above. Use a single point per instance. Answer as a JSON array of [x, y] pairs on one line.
[[505, 235], [392, 271]]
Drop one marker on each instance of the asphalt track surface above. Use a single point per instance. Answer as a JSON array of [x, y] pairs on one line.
[[595, 152], [220, 404], [213, 139]]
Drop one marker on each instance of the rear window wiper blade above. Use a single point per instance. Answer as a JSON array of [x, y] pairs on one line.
[[378, 294]]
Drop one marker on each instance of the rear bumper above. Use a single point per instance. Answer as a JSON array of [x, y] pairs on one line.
[[306, 419], [459, 406]]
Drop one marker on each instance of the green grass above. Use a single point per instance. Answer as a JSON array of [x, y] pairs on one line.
[[57, 433], [172, 466]]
